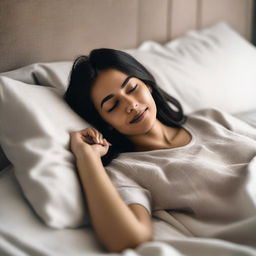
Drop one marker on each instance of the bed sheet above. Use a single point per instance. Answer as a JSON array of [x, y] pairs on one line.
[[23, 233], [248, 116]]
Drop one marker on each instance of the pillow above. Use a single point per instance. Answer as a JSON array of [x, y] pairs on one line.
[[24, 74], [213, 67], [54, 74], [4, 162], [248, 116], [34, 133]]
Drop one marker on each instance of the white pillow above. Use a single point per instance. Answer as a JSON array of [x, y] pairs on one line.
[[210, 68], [54, 74], [24, 74], [34, 133], [248, 116], [214, 67]]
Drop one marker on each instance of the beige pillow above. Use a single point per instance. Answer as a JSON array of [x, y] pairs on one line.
[[34, 133]]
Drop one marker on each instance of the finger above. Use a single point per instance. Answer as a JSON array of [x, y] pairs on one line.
[[87, 130], [84, 131], [94, 139], [107, 143], [89, 139], [91, 134], [75, 135], [104, 142], [98, 136], [95, 134]]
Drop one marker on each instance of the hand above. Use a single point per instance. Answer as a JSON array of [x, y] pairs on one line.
[[89, 141]]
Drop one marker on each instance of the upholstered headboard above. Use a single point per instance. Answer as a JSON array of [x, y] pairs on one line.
[[51, 30]]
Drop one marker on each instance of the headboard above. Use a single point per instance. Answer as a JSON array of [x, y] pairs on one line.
[[54, 30]]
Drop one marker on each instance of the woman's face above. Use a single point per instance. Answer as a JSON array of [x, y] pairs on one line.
[[125, 103]]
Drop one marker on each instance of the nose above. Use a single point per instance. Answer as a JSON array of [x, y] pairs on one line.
[[132, 106]]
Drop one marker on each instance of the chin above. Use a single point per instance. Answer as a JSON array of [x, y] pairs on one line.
[[148, 129], [145, 127]]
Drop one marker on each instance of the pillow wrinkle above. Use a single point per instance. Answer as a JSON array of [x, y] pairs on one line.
[[208, 68], [35, 125]]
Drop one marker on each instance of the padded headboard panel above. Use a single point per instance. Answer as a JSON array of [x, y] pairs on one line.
[[52, 30]]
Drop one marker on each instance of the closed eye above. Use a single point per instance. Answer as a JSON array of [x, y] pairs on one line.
[[116, 103], [133, 89]]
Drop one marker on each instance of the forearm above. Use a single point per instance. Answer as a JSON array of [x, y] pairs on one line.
[[115, 224]]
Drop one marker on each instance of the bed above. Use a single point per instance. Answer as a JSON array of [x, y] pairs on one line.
[[197, 50]]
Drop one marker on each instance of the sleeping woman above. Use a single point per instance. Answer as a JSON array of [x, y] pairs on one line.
[[142, 154]]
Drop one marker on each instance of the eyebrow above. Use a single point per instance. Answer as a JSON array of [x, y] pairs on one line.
[[112, 95]]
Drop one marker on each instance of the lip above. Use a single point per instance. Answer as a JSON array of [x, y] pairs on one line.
[[138, 117]]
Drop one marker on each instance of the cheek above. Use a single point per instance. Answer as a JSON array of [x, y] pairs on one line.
[[146, 94], [148, 99], [114, 119]]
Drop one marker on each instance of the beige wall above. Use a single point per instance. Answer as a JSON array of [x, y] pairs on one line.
[[50, 30]]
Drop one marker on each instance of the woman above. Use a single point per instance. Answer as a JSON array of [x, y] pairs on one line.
[[168, 161]]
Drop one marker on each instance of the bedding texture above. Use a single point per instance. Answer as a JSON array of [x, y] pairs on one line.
[[24, 74], [22, 233], [208, 187], [210, 68], [213, 67], [54, 74], [34, 134]]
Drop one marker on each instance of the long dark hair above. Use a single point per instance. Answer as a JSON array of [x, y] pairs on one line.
[[84, 73]]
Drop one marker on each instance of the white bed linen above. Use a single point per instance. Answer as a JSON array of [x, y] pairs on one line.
[[39, 148], [22, 233]]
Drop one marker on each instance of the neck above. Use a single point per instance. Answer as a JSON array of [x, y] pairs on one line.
[[159, 136]]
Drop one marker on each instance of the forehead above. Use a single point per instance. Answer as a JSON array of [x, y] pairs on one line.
[[106, 82]]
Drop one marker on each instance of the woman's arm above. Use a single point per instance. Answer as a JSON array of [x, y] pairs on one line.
[[117, 225]]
